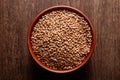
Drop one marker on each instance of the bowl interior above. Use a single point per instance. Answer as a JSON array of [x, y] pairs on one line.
[[60, 8]]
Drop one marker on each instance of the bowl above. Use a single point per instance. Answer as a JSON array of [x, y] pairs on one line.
[[60, 7]]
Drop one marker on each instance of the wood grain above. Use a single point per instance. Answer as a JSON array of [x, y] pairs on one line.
[[17, 64]]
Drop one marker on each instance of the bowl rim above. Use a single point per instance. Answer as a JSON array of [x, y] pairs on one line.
[[60, 7]]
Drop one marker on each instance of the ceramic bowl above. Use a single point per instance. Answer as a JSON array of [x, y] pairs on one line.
[[60, 8]]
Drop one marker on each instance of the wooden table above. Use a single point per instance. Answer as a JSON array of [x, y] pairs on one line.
[[17, 64]]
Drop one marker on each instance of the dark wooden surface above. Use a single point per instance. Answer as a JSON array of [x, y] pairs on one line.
[[17, 64]]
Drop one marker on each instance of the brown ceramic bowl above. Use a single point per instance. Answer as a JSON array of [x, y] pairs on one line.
[[57, 8]]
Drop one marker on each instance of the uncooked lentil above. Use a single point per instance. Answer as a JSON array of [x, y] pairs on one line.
[[61, 39]]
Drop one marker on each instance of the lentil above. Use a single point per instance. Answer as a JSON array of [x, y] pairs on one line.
[[61, 39]]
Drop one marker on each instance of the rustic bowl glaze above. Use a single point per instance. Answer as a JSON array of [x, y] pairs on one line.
[[59, 8]]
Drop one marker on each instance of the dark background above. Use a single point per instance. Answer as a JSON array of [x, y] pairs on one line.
[[17, 64]]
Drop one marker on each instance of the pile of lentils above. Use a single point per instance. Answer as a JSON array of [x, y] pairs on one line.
[[61, 39]]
